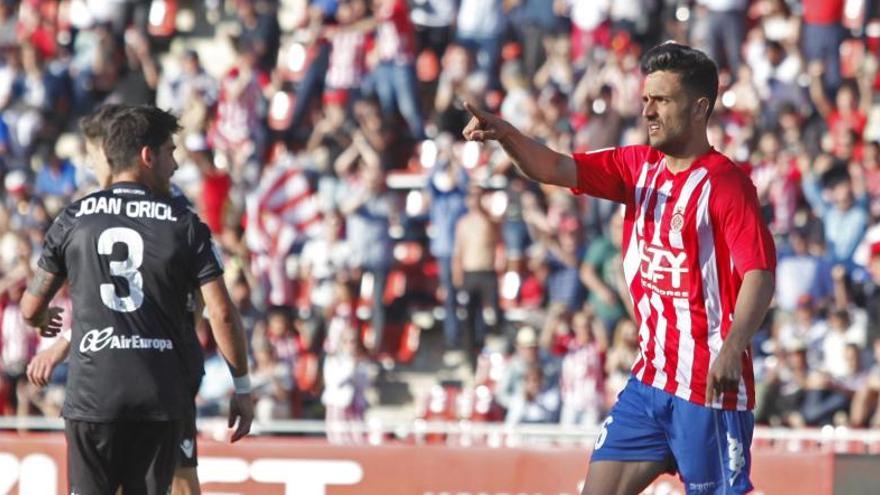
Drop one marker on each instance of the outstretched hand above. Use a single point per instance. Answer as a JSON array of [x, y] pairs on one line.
[[484, 126]]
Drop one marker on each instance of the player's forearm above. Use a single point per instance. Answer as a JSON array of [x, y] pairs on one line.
[[538, 162], [751, 308], [229, 334]]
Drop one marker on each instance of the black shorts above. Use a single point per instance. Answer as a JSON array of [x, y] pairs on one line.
[[138, 456], [188, 452]]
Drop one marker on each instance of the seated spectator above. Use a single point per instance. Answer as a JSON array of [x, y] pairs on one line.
[[781, 393], [536, 402], [272, 382], [827, 398], [528, 353], [582, 380]]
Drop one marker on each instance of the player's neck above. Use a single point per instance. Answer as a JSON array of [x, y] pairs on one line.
[[681, 161], [129, 176]]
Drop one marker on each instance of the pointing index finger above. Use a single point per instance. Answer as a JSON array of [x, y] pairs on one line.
[[476, 112]]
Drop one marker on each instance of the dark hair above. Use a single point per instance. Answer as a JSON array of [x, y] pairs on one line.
[[133, 128], [699, 74], [93, 125]]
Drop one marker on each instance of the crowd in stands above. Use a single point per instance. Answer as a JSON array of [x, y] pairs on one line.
[[322, 144]]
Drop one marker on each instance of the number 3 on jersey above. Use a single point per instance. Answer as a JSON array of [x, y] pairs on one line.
[[127, 269]]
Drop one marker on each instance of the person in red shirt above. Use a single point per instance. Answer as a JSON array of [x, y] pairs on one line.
[[699, 264]]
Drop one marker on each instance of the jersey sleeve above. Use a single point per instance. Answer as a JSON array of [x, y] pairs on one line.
[[52, 256], [208, 261], [734, 205], [609, 173]]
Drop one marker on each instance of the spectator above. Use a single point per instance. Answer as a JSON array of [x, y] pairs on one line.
[[57, 177], [844, 217], [726, 30], [801, 276], [346, 378], [395, 64], [822, 34], [582, 381], [478, 28], [447, 189], [601, 273], [528, 353], [474, 272], [536, 402], [371, 210]]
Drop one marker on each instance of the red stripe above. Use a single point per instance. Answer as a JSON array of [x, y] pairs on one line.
[[290, 203]]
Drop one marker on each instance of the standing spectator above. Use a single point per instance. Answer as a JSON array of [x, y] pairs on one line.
[[822, 35], [395, 73], [433, 20], [325, 259], [348, 48], [473, 271], [260, 33], [370, 210], [726, 29], [447, 188], [272, 381], [620, 359], [188, 93], [479, 28], [534, 22], [346, 379]]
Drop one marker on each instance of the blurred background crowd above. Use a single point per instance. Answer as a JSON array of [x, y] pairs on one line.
[[362, 236]]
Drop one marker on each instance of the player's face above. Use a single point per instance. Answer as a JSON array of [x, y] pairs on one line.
[[671, 113], [163, 168], [98, 161]]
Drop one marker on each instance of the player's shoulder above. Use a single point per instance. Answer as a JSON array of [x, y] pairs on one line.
[[638, 154], [724, 172]]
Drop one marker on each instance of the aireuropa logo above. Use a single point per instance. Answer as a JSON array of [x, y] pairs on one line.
[[98, 340]]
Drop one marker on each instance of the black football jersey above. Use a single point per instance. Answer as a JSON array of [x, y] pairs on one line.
[[132, 260]]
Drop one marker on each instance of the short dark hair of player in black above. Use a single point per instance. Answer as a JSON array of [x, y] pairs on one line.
[[93, 125], [699, 74], [133, 128]]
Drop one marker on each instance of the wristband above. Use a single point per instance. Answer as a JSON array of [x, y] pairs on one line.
[[242, 384], [66, 335]]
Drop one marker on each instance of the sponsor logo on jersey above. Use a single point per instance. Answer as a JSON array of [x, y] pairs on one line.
[[98, 340], [664, 271], [187, 446]]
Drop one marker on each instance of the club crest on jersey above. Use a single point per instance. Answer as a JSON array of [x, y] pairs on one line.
[[677, 221], [664, 271]]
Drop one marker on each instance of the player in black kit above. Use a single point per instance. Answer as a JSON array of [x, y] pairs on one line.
[[39, 370], [131, 255]]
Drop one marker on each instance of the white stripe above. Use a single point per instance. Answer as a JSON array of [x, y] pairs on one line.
[[659, 342], [685, 347], [675, 238], [631, 259], [709, 272], [640, 184], [645, 313], [640, 211], [742, 396], [659, 208]]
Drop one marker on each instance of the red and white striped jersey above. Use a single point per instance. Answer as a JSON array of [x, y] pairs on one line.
[[688, 240]]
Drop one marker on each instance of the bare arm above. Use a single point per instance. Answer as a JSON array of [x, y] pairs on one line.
[[226, 326], [751, 307], [35, 310], [229, 334], [532, 158]]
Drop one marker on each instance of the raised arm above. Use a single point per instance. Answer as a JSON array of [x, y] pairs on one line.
[[532, 158]]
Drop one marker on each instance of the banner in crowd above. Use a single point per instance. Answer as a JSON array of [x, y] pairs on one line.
[[34, 464]]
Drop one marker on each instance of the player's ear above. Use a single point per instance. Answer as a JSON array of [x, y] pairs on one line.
[[701, 107], [147, 156]]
